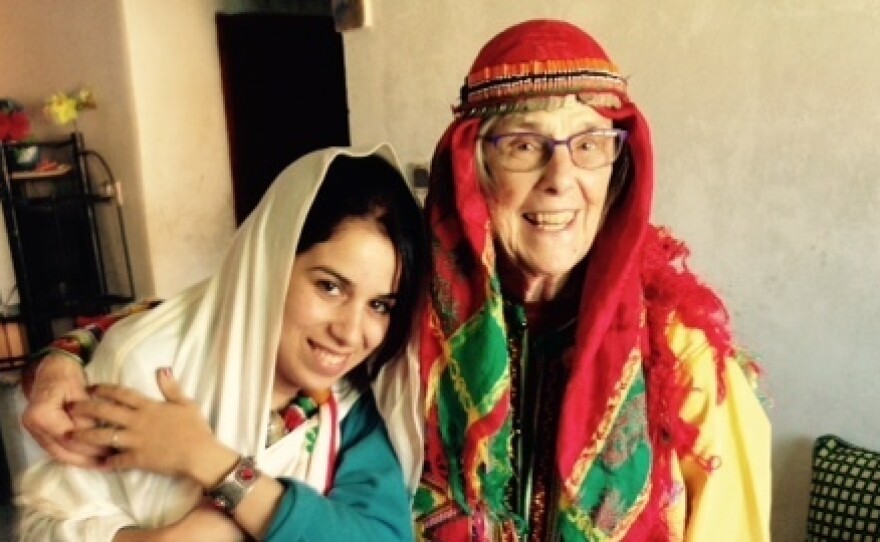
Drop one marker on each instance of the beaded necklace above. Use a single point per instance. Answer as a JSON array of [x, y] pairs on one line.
[[538, 373], [298, 410]]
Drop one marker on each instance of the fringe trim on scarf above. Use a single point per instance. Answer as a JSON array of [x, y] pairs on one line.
[[672, 290]]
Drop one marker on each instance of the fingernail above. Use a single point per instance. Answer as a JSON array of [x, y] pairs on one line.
[[166, 372]]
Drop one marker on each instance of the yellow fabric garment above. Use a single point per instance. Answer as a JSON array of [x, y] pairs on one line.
[[731, 501]]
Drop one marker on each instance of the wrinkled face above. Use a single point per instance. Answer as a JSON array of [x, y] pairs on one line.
[[545, 221], [338, 306]]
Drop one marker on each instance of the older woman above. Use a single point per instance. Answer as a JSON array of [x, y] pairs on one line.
[[580, 382]]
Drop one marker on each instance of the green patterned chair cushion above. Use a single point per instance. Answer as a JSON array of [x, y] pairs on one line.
[[845, 493]]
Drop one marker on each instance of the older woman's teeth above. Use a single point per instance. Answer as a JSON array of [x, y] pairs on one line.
[[547, 220]]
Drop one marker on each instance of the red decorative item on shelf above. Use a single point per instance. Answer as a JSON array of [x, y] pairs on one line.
[[14, 123], [15, 128]]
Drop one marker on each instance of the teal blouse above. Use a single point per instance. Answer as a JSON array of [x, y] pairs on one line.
[[368, 500]]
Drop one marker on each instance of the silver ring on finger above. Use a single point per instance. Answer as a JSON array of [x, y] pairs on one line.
[[114, 439]]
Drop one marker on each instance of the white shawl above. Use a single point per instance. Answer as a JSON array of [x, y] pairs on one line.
[[220, 337]]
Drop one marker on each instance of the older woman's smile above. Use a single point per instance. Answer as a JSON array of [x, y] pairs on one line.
[[550, 220]]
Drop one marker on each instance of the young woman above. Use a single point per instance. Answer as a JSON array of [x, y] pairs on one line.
[[281, 438]]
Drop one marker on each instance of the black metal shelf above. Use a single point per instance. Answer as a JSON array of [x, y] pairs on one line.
[[66, 236], [54, 201]]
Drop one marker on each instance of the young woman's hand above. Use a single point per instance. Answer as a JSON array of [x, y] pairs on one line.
[[166, 437], [58, 382]]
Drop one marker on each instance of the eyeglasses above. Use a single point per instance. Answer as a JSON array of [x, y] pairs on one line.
[[527, 151]]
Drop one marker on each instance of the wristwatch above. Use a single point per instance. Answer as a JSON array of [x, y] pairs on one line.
[[227, 494]]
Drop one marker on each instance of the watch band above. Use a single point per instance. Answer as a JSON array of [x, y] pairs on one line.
[[227, 494]]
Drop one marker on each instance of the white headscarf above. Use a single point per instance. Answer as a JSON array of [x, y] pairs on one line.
[[221, 338]]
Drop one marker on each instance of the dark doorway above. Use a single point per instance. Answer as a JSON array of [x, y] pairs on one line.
[[284, 93]]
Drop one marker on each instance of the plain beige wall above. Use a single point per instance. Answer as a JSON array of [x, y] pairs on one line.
[[763, 114], [185, 172]]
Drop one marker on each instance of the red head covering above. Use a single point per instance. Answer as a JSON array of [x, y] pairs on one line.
[[540, 58]]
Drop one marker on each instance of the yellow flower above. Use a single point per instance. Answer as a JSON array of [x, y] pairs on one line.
[[61, 109], [64, 108]]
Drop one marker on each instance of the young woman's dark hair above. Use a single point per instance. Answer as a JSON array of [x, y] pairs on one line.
[[369, 187]]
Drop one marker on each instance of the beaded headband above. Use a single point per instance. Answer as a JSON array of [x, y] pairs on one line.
[[522, 67], [508, 88]]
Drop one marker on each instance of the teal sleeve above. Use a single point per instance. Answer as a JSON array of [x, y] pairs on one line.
[[368, 501]]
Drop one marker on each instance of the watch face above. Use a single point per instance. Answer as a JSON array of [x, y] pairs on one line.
[[235, 486]]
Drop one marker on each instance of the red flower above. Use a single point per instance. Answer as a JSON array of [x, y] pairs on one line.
[[21, 126], [14, 126]]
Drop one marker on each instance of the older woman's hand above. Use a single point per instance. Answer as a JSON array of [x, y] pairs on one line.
[[206, 523], [59, 381], [165, 437], [202, 523]]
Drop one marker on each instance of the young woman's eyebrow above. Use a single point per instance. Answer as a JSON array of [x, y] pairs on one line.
[[346, 282]]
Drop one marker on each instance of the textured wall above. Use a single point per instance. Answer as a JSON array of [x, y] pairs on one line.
[[764, 117], [181, 131]]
